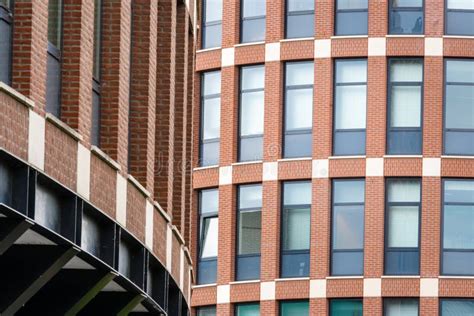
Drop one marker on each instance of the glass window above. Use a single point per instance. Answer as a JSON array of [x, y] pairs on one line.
[[95, 126], [351, 17], [348, 227], [459, 107], [249, 232], [404, 135], [210, 118], [299, 79], [53, 86], [299, 18], [458, 227], [6, 28], [252, 309], [402, 231], [460, 17], [206, 311], [211, 23], [251, 112], [295, 231], [400, 307], [294, 308], [345, 307], [253, 21], [208, 242], [457, 307], [406, 17], [350, 107]]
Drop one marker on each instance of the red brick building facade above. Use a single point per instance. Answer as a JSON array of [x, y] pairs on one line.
[[433, 165]]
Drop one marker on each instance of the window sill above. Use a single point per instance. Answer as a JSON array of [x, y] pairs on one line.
[[354, 277], [106, 158], [162, 212], [137, 184], [299, 39], [405, 35], [346, 157], [292, 279], [244, 282], [205, 167], [459, 36], [63, 126], [249, 44], [400, 277], [468, 277], [456, 157], [208, 50], [243, 163], [348, 36], [17, 95], [294, 159], [402, 156], [200, 286]]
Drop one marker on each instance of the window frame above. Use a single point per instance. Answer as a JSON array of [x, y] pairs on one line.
[[280, 302], [298, 13], [334, 108], [386, 299], [205, 24], [337, 11], [202, 98], [240, 98], [445, 84], [388, 204], [293, 206], [454, 298], [237, 244], [7, 14], [202, 219], [443, 203], [405, 9], [236, 305], [446, 10], [390, 85], [285, 92], [96, 82], [242, 19], [331, 228]]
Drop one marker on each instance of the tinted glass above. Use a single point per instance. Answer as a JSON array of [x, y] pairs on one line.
[[459, 191], [209, 201], [53, 86], [289, 308], [299, 109], [300, 5], [209, 237], [5, 50], [212, 25], [297, 193], [206, 311], [352, 4], [351, 23], [347, 263], [401, 307], [300, 18], [247, 310], [462, 307], [348, 227], [403, 226], [350, 191], [298, 144], [345, 307], [351, 104], [296, 227], [97, 38], [47, 208], [55, 22], [404, 191], [249, 232], [460, 106], [460, 17], [213, 10]]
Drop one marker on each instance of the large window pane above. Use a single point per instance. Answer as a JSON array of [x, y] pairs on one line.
[[299, 109], [351, 104], [249, 232], [458, 227], [210, 118], [252, 113], [349, 191], [208, 242], [457, 307], [212, 23], [460, 106], [403, 226], [209, 201], [297, 193], [460, 17], [404, 191], [459, 191], [296, 226], [6, 28], [300, 18], [253, 21], [299, 73], [212, 10], [351, 71], [212, 83], [342, 307], [247, 309], [294, 308], [206, 311], [400, 307], [406, 106], [55, 22], [348, 227], [406, 17], [209, 238]]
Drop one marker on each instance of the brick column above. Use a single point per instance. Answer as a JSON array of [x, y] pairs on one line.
[[272, 138], [376, 106], [322, 115], [116, 18], [226, 251], [374, 227], [30, 42], [430, 227], [434, 18], [230, 23], [324, 25], [229, 115], [320, 228], [275, 21], [373, 306], [433, 107], [378, 18], [270, 244], [76, 90], [165, 71], [143, 92]]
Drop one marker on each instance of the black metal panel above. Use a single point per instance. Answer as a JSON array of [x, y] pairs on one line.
[[108, 303]]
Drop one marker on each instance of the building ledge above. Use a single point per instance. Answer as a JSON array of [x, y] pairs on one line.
[[16, 95], [137, 184], [106, 158], [63, 126]]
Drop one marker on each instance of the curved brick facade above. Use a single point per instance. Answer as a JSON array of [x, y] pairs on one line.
[[431, 166], [137, 176]]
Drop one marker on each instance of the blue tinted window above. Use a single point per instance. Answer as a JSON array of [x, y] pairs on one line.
[[351, 17], [210, 118], [347, 241], [406, 17], [252, 309], [212, 23], [206, 311], [253, 21], [460, 17], [400, 307], [458, 227], [293, 308], [208, 235], [343, 307], [6, 27], [457, 307], [299, 18]]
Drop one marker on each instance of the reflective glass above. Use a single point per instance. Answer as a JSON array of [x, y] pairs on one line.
[[296, 228], [249, 232], [299, 109], [458, 228], [213, 10], [212, 83], [209, 201], [252, 113], [341, 307], [351, 71], [348, 227], [253, 8], [210, 237], [462, 307], [206, 311], [406, 71], [300, 5], [250, 196], [349, 191], [297, 193], [459, 191], [401, 307], [351, 103], [352, 4], [294, 308], [460, 106], [299, 73], [248, 309], [406, 106], [403, 226], [404, 191]]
